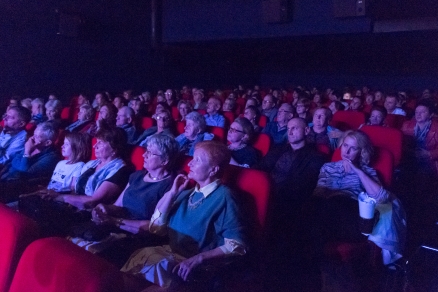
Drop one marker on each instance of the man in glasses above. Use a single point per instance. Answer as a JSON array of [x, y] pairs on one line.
[[268, 107], [164, 123], [277, 129], [212, 117]]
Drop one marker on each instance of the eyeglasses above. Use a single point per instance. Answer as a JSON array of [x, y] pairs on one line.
[[267, 101], [149, 153], [232, 130], [164, 119]]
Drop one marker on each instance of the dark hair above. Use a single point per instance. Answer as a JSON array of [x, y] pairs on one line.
[[380, 109], [305, 101], [112, 113], [80, 144], [116, 137], [428, 104], [24, 114], [338, 105]]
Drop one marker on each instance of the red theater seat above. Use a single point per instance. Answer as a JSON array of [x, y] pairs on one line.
[[55, 265], [395, 121], [263, 121], [388, 138], [347, 120], [180, 127], [229, 117], [137, 157], [262, 142], [219, 133], [147, 122], [17, 233]]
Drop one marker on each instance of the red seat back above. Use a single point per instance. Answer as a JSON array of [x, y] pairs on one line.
[[30, 128], [229, 117], [175, 113], [388, 138], [383, 163], [262, 142], [137, 157], [17, 233], [347, 120], [395, 121], [180, 127], [55, 264], [263, 121], [219, 133], [147, 122], [65, 113]]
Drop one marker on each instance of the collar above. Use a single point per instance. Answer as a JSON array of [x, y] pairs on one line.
[[208, 189]]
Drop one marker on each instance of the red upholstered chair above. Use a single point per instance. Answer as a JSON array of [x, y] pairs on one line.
[[263, 121], [175, 112], [202, 111], [55, 264], [74, 114], [65, 113], [180, 127], [388, 138], [17, 233], [229, 117], [137, 157], [147, 122], [383, 163], [347, 120], [30, 128], [219, 133], [395, 121], [262, 142]]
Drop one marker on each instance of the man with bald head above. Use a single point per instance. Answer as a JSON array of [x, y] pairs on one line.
[[277, 129], [125, 120]]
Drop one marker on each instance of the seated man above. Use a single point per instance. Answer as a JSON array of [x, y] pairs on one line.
[[356, 104], [36, 162], [37, 111], [320, 132], [277, 130], [212, 117], [125, 120], [13, 136], [268, 107], [390, 104]]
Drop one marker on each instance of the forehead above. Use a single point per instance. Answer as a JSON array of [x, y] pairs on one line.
[[285, 107], [376, 112], [236, 125], [421, 108], [201, 153], [350, 141], [319, 112], [295, 123], [12, 113]]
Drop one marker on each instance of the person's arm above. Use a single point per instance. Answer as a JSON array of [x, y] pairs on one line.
[[221, 122], [17, 146], [105, 192]]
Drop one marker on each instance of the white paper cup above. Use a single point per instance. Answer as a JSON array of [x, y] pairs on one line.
[[366, 206]]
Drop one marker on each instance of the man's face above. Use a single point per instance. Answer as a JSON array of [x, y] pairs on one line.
[[39, 138], [390, 103], [35, 109], [197, 96], [212, 106], [227, 106], [319, 118], [268, 102], [296, 131], [355, 104], [12, 121], [122, 119], [284, 113]]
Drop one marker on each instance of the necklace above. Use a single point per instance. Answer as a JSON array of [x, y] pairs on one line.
[[193, 205], [157, 178]]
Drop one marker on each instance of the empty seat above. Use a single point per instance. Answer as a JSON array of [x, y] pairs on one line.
[[55, 265], [17, 231], [262, 142], [347, 120], [388, 138]]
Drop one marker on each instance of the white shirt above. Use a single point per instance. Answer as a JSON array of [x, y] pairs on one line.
[[63, 175]]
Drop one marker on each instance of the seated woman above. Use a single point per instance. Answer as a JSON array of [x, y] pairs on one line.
[[203, 223], [377, 117], [194, 132], [336, 106], [104, 178], [85, 120], [239, 135], [134, 208], [107, 118], [184, 108], [163, 127], [253, 115], [53, 112], [336, 214]]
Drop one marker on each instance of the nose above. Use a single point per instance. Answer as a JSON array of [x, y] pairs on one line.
[[190, 163]]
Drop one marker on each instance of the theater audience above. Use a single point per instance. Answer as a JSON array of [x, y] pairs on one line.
[[277, 130], [27, 103], [100, 100], [239, 136], [125, 121], [336, 208], [170, 97], [198, 99], [163, 127], [85, 120], [268, 107], [194, 132], [321, 133], [212, 117], [53, 112], [13, 135], [377, 117], [202, 224], [139, 108]]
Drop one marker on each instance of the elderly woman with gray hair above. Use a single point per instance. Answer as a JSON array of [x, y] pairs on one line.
[[194, 132], [53, 112], [85, 120]]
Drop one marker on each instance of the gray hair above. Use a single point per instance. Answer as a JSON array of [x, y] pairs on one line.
[[48, 131], [27, 103], [89, 111], [128, 111], [168, 147], [55, 104], [198, 119], [38, 101]]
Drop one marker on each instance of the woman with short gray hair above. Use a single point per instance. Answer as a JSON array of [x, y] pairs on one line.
[[194, 132], [53, 112]]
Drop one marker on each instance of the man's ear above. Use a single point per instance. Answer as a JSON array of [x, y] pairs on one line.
[[22, 124], [306, 130], [130, 120], [214, 170], [47, 143]]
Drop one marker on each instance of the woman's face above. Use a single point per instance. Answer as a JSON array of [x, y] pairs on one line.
[[376, 118], [103, 150], [369, 99], [422, 114], [103, 113], [250, 115], [235, 133], [200, 167], [168, 95], [226, 107], [152, 158], [66, 149], [191, 130], [51, 113], [301, 109], [81, 100], [332, 107], [183, 110], [350, 150], [117, 102], [82, 114], [159, 108], [317, 98]]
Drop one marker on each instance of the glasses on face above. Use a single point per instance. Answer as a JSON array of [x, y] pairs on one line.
[[284, 111], [164, 119], [149, 153], [267, 101], [232, 130]]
